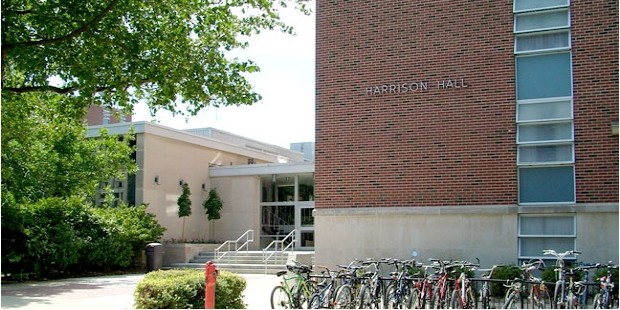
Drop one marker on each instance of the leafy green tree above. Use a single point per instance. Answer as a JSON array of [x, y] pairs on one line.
[[48, 163], [185, 206], [171, 54], [213, 206], [46, 152]]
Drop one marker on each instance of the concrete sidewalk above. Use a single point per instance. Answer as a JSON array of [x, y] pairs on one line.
[[109, 292]]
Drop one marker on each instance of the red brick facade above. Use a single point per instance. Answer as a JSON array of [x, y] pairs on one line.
[[96, 116], [594, 31], [391, 131]]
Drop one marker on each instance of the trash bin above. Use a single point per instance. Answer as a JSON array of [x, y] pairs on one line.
[[154, 256]]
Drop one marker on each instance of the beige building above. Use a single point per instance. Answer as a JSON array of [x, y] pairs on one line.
[[265, 188]]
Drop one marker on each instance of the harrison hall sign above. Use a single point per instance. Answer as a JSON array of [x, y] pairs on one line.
[[412, 87]]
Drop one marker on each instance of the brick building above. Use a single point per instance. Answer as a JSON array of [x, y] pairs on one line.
[[464, 129]]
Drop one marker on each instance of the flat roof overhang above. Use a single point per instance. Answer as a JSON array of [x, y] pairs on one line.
[[261, 169]]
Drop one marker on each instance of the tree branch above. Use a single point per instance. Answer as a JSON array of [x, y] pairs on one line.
[[66, 90], [69, 36], [27, 89]]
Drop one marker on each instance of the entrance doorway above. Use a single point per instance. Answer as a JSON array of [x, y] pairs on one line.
[[287, 202]]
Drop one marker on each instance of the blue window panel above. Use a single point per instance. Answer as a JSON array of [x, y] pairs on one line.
[[546, 184], [544, 76]]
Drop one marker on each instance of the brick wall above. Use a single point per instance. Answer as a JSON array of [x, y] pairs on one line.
[[595, 74], [379, 143]]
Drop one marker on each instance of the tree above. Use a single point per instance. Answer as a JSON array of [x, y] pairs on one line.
[[213, 206], [46, 152], [185, 206], [170, 54]]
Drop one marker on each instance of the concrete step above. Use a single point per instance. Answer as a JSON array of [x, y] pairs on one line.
[[251, 262], [236, 268]]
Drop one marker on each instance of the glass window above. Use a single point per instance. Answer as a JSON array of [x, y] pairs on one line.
[[533, 247], [525, 5], [542, 20], [536, 154], [544, 76], [542, 41], [542, 232], [544, 110], [307, 239], [547, 184], [306, 217], [547, 225], [306, 187], [534, 132]]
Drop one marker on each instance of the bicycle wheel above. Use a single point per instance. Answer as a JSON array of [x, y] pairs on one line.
[[315, 301], [303, 295], [470, 302], [391, 301], [344, 298], [455, 301], [365, 298], [511, 301], [485, 298], [378, 298], [539, 297], [571, 301], [462, 302], [440, 301], [280, 299], [414, 299]]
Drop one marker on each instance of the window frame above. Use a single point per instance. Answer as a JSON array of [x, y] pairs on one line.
[[521, 236], [546, 100], [543, 50], [515, 10], [540, 166], [544, 29]]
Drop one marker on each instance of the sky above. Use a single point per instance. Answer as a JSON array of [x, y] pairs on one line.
[[286, 82]]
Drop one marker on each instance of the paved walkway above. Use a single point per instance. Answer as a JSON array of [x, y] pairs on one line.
[[109, 292]]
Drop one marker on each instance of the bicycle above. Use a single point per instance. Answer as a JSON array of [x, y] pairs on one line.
[[398, 291], [347, 293], [372, 290], [441, 290], [604, 299], [539, 296], [326, 291], [297, 295], [485, 290], [565, 296], [513, 299], [422, 290], [463, 293]]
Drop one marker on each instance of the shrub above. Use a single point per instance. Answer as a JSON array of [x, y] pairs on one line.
[[185, 289], [508, 272], [129, 230], [66, 236]]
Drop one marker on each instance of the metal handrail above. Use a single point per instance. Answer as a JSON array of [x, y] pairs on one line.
[[267, 253], [233, 245]]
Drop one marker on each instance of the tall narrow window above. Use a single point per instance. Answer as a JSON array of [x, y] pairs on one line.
[[545, 139]]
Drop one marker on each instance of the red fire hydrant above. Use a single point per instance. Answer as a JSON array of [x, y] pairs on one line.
[[210, 279]]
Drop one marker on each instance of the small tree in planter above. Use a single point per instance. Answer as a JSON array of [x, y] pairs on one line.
[[185, 206], [213, 206]]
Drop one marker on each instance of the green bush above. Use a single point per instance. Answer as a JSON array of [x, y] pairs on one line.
[[185, 289], [128, 231], [66, 236], [508, 272]]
